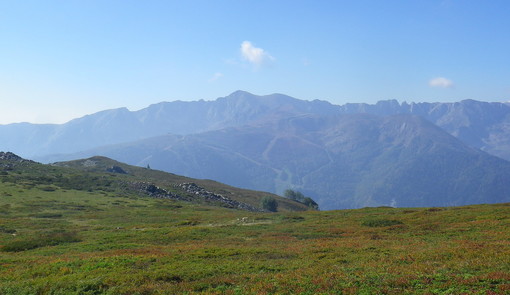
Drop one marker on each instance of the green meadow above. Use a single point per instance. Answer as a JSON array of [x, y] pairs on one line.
[[59, 240]]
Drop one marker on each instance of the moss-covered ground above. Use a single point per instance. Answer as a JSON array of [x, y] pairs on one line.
[[57, 241]]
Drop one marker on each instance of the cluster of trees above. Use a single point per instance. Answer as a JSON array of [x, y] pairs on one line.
[[270, 203], [299, 197]]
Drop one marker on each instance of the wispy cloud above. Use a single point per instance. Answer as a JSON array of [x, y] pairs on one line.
[[254, 55], [215, 77], [440, 82]]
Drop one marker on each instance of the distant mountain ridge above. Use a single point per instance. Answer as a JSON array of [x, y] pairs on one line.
[[178, 117], [480, 124]]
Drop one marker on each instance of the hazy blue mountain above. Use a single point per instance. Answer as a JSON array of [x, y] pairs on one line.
[[479, 124], [106, 127], [342, 161], [483, 125], [122, 125]]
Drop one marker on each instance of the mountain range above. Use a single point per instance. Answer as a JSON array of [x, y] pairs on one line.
[[121, 125], [349, 156]]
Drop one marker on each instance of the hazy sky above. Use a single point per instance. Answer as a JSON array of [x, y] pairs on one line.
[[64, 59]]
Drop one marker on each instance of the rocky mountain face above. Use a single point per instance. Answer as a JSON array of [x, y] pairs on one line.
[[349, 156], [482, 125]]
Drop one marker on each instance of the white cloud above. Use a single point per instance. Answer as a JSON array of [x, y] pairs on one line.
[[215, 77], [440, 82], [254, 55]]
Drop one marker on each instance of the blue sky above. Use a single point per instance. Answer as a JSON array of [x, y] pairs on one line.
[[64, 59]]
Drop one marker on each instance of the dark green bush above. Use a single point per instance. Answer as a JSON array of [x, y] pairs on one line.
[[269, 204]]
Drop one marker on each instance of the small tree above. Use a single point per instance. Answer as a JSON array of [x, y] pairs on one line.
[[269, 204]]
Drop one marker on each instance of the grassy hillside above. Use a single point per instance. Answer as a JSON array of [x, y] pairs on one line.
[[98, 165], [111, 178], [58, 240]]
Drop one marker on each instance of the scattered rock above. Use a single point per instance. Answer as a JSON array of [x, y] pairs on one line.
[[192, 188], [154, 191], [89, 163]]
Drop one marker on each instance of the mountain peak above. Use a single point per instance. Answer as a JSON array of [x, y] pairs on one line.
[[240, 93]]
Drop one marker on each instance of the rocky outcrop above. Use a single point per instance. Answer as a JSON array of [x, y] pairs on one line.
[[8, 156], [154, 191], [116, 169], [193, 189], [191, 193], [9, 160]]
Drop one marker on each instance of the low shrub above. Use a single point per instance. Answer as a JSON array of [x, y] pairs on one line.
[[292, 218], [50, 239], [188, 222], [48, 188], [6, 230]]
